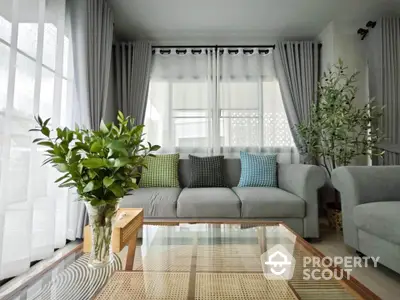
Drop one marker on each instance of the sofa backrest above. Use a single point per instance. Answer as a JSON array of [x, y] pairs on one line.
[[231, 171]]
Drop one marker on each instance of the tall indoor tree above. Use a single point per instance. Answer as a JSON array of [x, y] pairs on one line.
[[338, 130]]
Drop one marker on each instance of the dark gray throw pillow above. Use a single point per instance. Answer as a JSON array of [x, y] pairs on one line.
[[206, 171]]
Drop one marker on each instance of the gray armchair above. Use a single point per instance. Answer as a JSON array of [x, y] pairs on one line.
[[370, 198]]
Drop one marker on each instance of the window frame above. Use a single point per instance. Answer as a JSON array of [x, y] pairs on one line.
[[216, 116], [33, 59]]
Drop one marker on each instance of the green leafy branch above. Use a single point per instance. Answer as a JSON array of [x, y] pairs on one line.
[[337, 130], [103, 164]]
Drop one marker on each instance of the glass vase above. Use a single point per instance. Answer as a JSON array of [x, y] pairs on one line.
[[101, 221]]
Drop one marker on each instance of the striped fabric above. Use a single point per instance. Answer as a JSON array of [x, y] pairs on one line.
[[206, 172], [162, 171], [258, 170]]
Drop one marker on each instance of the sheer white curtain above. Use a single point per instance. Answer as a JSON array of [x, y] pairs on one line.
[[217, 100], [181, 100], [35, 78], [251, 113]]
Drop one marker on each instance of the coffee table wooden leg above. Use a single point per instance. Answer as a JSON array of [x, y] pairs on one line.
[[131, 252]]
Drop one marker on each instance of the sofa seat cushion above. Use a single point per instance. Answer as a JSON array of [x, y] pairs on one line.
[[156, 202], [380, 219], [269, 202], [208, 203]]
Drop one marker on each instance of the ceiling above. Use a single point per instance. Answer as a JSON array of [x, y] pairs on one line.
[[239, 21]]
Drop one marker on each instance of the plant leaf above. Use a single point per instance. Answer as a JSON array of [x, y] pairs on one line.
[[46, 143], [122, 161], [107, 181], [101, 164], [46, 131], [93, 163], [97, 202], [92, 174], [96, 147], [58, 160], [103, 127], [83, 146], [46, 122], [117, 190], [46, 161], [62, 178], [155, 148], [89, 187], [116, 145], [120, 117], [62, 168], [67, 184], [133, 185]]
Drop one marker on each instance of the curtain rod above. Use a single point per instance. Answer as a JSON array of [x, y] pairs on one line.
[[223, 46], [218, 46]]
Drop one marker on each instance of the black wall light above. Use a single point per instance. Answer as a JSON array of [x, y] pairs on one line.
[[363, 31], [371, 24]]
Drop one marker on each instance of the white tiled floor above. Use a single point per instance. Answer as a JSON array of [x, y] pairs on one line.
[[384, 282]]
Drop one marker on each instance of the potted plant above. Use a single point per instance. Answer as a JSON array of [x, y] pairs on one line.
[[102, 165], [337, 130]]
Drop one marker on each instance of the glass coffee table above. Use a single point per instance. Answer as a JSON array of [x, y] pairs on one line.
[[207, 260]]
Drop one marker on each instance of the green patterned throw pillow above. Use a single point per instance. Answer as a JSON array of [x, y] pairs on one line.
[[162, 171]]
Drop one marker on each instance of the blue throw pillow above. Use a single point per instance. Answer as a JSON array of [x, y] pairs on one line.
[[258, 170]]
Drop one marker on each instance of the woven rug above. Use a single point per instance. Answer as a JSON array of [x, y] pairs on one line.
[[209, 286]]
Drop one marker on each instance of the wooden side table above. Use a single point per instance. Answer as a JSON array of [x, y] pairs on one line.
[[127, 224]]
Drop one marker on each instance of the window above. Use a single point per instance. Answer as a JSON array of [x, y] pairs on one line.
[[179, 110], [206, 103], [34, 79], [178, 115]]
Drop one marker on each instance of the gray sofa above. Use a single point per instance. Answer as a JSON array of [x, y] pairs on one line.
[[370, 199], [295, 201]]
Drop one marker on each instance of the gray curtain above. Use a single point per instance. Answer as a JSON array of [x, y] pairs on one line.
[[383, 56], [132, 66], [297, 67], [92, 37]]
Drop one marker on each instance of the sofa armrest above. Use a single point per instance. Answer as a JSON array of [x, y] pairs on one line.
[[367, 184], [304, 181], [364, 184]]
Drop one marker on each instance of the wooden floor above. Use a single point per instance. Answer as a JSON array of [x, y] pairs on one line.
[[384, 282]]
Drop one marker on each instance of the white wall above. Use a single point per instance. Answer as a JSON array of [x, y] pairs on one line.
[[349, 47], [341, 41], [326, 38]]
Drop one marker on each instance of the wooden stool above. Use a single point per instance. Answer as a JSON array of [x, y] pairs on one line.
[[127, 224]]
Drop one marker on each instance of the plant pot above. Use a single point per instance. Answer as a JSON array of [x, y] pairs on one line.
[[101, 221], [334, 216]]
